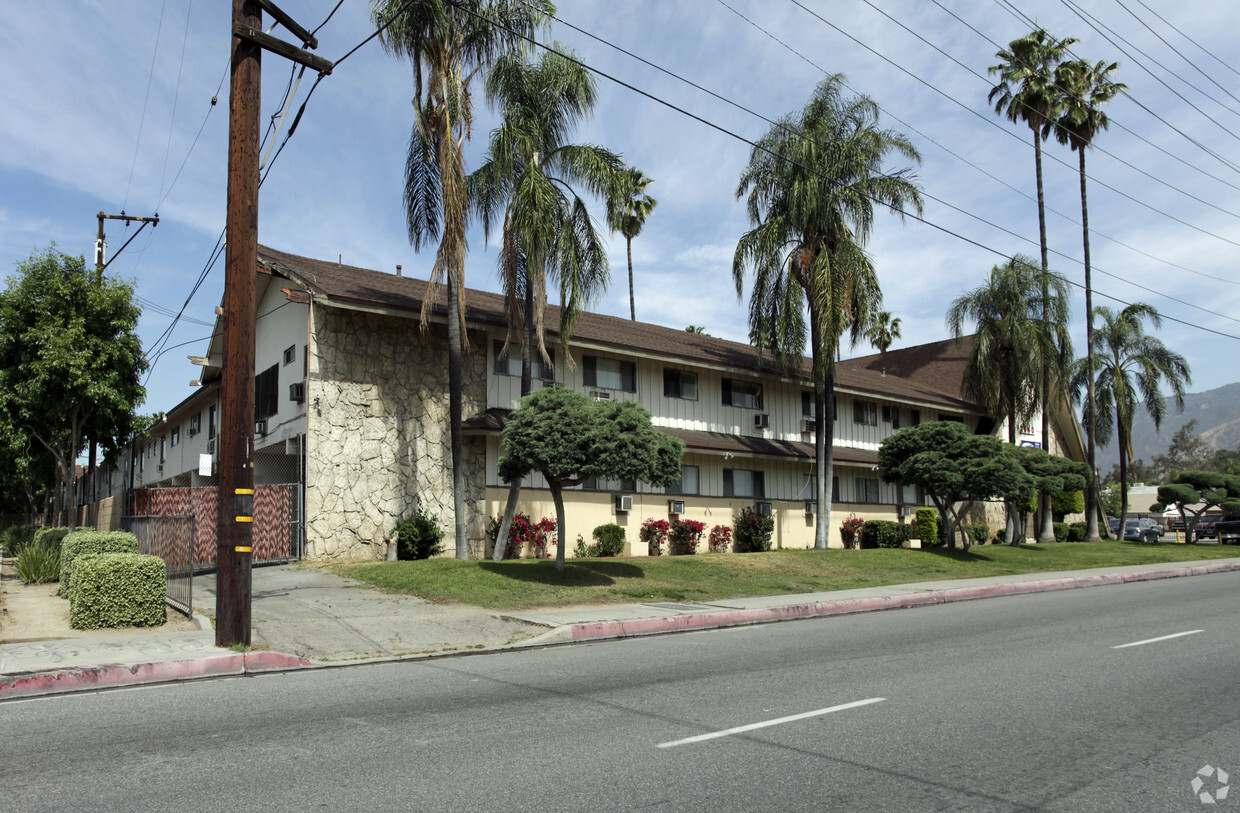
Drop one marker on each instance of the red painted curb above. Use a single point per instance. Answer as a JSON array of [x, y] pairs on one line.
[[735, 618]]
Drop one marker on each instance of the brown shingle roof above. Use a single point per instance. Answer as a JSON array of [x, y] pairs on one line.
[[928, 373]]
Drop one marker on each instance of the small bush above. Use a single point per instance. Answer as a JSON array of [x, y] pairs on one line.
[[85, 543], [881, 533], [926, 527], [39, 562], [720, 540], [52, 536], [654, 533], [521, 531], [753, 531], [418, 537], [850, 531], [117, 590], [976, 534], [684, 535], [16, 538], [1076, 531], [1067, 502], [608, 540], [1061, 531]]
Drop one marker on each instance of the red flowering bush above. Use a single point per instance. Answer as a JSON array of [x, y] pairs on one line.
[[684, 536], [720, 540], [850, 531], [522, 530], [654, 533]]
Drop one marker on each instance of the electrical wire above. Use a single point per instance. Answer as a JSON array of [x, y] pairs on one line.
[[142, 121]]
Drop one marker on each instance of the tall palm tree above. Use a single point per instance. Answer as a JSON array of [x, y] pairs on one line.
[[1084, 89], [883, 330], [812, 183], [1131, 365], [627, 213], [1026, 92], [448, 44], [530, 185], [1012, 343]]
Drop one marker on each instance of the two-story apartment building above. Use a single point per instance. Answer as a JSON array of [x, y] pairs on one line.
[[352, 401]]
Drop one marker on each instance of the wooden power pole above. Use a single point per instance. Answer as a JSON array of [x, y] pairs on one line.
[[236, 435]]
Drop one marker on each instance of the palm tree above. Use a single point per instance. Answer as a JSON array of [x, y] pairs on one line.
[[695, 329], [627, 213], [1131, 365], [1084, 89], [529, 183], [1026, 92], [448, 43], [883, 330], [812, 182], [1012, 343]]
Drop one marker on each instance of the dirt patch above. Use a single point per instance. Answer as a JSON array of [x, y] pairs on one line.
[[33, 612]]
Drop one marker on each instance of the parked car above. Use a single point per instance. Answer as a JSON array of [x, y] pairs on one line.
[[1228, 529], [1205, 527], [1142, 530]]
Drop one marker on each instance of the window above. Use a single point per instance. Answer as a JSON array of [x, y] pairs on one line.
[[835, 489], [266, 393], [305, 361], [595, 484], [679, 384], [867, 489], [195, 423], [688, 481], [163, 448], [290, 354], [891, 414], [747, 394], [610, 374], [807, 404], [809, 487], [743, 483], [511, 364], [914, 417], [176, 435], [865, 413], [211, 422]]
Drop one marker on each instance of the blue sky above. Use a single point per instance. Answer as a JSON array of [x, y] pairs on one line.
[[103, 103]]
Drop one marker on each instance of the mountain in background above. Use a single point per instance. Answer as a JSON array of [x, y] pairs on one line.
[[1218, 423]]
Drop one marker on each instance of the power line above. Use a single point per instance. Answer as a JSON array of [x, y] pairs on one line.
[[145, 99]]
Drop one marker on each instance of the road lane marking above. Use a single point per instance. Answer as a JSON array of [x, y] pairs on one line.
[[768, 723], [1160, 638]]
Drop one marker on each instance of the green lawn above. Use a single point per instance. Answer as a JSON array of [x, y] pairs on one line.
[[525, 584]]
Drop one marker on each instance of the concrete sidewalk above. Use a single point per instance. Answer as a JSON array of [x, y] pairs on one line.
[[305, 618]]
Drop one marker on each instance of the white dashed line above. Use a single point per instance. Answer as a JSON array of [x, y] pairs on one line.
[[1160, 638], [768, 723]]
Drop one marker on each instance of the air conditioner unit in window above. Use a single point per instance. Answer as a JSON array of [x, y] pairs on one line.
[[600, 396], [260, 427], [193, 432], [811, 506], [761, 420], [764, 509], [809, 425], [905, 510], [675, 506], [211, 446], [297, 392], [624, 502]]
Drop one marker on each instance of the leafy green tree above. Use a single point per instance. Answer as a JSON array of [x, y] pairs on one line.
[[448, 43], [695, 329], [626, 213], [1193, 493], [883, 330], [1061, 478], [530, 184], [70, 358], [1188, 450], [1084, 88], [1131, 367], [566, 437], [1013, 345], [812, 183], [954, 467]]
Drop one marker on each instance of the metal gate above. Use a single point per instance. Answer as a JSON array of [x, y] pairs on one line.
[[171, 538]]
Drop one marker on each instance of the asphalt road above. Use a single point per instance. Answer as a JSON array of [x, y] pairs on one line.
[[1021, 703]]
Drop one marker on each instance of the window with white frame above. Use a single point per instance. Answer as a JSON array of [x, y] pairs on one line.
[[511, 363], [688, 484], [745, 394], [865, 413], [597, 484], [176, 435], [609, 374], [679, 384], [743, 483], [290, 354], [867, 489], [195, 423]]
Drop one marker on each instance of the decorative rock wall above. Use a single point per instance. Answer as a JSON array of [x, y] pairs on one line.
[[377, 432]]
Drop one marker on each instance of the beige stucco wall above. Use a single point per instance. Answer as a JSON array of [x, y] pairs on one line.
[[377, 433]]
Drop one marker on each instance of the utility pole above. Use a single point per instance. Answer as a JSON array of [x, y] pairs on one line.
[[234, 550]]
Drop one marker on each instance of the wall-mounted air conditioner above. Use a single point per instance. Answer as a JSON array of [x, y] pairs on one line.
[[211, 446], [809, 425], [297, 392], [600, 395], [675, 507], [905, 510], [260, 427], [624, 502], [763, 508], [761, 420], [811, 506], [193, 432]]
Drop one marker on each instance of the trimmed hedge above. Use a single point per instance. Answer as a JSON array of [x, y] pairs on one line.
[[117, 590], [85, 543], [882, 533], [1076, 531], [977, 534], [926, 526], [418, 537], [17, 537], [1061, 531], [50, 536], [608, 540]]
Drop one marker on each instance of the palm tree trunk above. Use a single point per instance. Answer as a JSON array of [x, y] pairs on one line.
[[1123, 435], [1047, 533], [1091, 488], [455, 393], [527, 384], [628, 241], [824, 458]]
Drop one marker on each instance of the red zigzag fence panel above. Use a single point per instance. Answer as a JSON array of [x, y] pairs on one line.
[[274, 519]]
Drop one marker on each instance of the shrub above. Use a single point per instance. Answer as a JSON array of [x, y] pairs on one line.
[[418, 537], [117, 590], [753, 531], [850, 530], [16, 538], [881, 533], [654, 533], [684, 536], [581, 551], [926, 526], [608, 540], [1067, 502], [85, 543], [976, 534], [39, 562], [1076, 531], [522, 531], [720, 540], [1061, 531]]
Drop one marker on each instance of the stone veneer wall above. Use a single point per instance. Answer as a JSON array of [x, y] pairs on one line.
[[377, 435]]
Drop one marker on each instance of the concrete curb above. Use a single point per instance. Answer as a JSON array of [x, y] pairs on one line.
[[85, 678], [732, 618]]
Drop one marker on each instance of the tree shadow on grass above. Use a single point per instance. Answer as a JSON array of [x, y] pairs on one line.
[[976, 553], [583, 573]]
